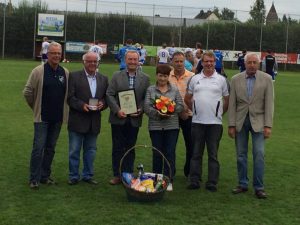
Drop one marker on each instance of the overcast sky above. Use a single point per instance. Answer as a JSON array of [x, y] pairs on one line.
[[171, 8]]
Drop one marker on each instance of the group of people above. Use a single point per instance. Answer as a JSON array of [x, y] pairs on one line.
[[199, 102]]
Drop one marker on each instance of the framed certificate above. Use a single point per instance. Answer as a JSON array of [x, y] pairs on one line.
[[127, 101]]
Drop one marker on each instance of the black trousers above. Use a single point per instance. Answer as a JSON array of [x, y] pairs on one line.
[[209, 135]]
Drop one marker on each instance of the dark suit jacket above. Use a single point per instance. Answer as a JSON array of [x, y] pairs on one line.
[[119, 82], [260, 106], [79, 93]]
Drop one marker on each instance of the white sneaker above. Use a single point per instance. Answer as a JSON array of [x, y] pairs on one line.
[[170, 187]]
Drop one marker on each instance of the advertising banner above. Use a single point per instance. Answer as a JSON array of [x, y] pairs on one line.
[[82, 47], [51, 25]]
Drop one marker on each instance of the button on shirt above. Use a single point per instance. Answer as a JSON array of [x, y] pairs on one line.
[[92, 83], [131, 80], [250, 84]]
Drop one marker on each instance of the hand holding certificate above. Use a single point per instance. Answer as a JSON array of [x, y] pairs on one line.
[[127, 102]]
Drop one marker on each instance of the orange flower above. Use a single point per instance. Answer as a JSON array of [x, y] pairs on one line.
[[171, 108], [164, 104], [159, 105]]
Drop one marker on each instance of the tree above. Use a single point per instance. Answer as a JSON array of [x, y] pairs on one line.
[[258, 12], [227, 14], [200, 15]]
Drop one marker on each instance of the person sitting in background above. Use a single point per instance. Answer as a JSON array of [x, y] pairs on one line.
[[163, 127]]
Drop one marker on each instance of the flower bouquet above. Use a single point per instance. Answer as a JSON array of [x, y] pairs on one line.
[[164, 105]]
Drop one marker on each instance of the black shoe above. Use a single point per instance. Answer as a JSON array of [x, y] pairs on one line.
[[48, 181], [211, 188], [73, 181], [239, 190], [261, 194], [193, 186], [186, 170], [34, 185], [90, 181]]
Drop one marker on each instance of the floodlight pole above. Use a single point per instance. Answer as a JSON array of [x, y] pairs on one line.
[[95, 23], [152, 38], [3, 35], [66, 22], [124, 24], [261, 32], [207, 35], [34, 32], [180, 28], [286, 42]]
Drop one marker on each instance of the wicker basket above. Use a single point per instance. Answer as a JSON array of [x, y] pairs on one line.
[[134, 195]]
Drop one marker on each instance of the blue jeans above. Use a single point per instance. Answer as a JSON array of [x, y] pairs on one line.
[[241, 143], [88, 141], [123, 138], [165, 141], [43, 150], [209, 135]]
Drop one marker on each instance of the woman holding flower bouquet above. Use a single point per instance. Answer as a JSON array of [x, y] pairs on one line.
[[163, 103]]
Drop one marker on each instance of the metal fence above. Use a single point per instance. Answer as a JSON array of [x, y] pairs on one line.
[[177, 16]]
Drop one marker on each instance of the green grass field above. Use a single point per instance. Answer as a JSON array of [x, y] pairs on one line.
[[106, 204]]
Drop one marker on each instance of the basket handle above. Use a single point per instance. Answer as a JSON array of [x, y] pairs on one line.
[[144, 146]]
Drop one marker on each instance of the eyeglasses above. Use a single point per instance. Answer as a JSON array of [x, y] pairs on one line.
[[91, 62], [55, 53]]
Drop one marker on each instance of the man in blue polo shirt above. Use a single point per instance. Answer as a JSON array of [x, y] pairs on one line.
[[45, 93]]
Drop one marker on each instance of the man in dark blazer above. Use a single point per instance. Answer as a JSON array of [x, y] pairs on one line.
[[251, 107], [125, 127], [86, 98]]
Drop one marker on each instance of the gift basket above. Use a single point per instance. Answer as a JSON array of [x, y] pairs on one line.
[[144, 186]]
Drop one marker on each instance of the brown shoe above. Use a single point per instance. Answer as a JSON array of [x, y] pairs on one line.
[[115, 181], [261, 194], [239, 190]]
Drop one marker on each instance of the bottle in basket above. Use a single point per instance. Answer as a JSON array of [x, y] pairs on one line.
[[140, 168]]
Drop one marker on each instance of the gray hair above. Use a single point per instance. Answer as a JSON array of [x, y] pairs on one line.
[[89, 53], [251, 54], [54, 44], [132, 51]]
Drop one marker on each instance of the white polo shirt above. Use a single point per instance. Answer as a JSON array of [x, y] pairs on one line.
[[208, 95]]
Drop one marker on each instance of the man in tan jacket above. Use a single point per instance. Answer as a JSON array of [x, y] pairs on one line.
[[46, 93], [251, 106]]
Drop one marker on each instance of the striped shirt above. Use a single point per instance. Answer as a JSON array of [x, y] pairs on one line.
[[156, 122]]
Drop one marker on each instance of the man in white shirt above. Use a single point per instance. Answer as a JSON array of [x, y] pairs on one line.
[[207, 96], [163, 56]]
